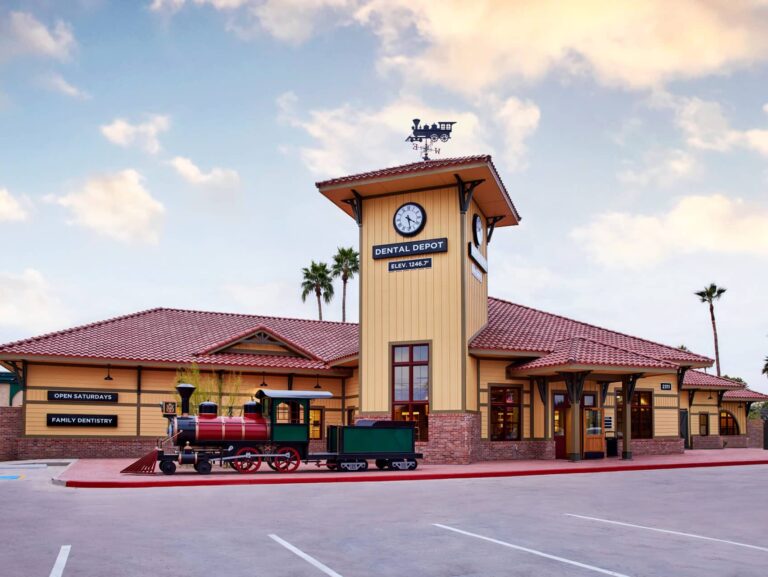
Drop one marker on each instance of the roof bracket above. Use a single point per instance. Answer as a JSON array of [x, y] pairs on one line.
[[691, 394], [466, 190], [541, 385], [574, 383], [629, 382], [491, 225], [720, 398], [357, 206]]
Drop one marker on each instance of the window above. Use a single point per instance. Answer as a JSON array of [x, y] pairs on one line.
[[410, 386], [588, 400], [642, 414], [290, 413], [728, 424], [316, 422], [703, 424], [505, 414]]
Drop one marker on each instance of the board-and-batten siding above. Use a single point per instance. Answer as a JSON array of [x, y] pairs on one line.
[[666, 404], [476, 303], [418, 305], [495, 373]]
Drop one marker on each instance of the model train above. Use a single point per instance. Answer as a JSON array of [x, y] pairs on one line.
[[274, 430]]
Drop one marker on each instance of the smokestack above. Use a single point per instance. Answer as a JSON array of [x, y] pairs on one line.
[[185, 391]]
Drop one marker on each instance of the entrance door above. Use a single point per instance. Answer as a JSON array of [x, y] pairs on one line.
[[684, 427], [560, 412]]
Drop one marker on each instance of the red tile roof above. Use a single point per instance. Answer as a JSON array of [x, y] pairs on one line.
[[183, 336], [587, 352], [702, 380], [513, 327], [744, 395], [413, 167], [423, 166]]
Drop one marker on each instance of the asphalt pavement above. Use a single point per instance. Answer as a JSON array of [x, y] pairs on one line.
[[691, 522]]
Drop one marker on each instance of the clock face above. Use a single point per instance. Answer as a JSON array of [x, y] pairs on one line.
[[478, 231], [410, 219]]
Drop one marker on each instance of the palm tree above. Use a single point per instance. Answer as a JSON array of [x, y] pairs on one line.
[[709, 295], [317, 279], [346, 264], [765, 367]]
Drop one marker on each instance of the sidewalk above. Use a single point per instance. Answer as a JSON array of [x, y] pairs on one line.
[[105, 473]]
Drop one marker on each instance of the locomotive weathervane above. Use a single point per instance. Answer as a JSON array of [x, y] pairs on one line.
[[428, 136]]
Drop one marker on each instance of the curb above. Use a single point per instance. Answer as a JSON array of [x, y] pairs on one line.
[[74, 483]]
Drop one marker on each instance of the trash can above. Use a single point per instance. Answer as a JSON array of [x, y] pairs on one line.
[[612, 447]]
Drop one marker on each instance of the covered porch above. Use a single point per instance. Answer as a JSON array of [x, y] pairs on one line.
[[590, 391]]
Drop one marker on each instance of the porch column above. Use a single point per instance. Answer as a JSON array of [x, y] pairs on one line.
[[628, 384], [574, 383]]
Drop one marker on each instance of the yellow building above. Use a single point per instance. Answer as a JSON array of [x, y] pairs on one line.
[[481, 377]]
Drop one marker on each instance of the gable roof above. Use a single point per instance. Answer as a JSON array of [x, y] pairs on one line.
[[516, 328], [702, 380], [581, 351], [182, 337], [744, 395]]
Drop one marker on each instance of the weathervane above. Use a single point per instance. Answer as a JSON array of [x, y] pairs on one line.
[[428, 135]]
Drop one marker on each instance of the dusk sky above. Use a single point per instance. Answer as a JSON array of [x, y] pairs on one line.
[[164, 153]]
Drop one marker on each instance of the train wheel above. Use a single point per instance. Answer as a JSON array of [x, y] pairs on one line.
[[332, 465], [168, 467], [248, 460], [271, 464], [203, 467], [444, 137], [382, 464], [289, 460], [412, 464]]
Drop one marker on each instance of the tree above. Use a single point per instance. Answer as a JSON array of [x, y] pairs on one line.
[[346, 264], [709, 295], [317, 279], [765, 367]]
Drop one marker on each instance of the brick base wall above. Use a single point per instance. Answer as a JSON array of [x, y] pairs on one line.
[[510, 450], [707, 442], [656, 447], [11, 423], [755, 433], [735, 442], [61, 448]]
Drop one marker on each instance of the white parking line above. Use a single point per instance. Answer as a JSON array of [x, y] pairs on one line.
[[61, 561], [308, 558], [669, 531], [533, 552]]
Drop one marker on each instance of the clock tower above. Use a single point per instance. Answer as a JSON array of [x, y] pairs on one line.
[[425, 230]]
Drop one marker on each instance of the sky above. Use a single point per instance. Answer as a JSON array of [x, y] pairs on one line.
[[164, 153]]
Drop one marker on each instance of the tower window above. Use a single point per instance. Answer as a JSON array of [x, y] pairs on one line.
[[410, 386]]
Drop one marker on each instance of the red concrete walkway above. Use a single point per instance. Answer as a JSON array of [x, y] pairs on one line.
[[105, 473]]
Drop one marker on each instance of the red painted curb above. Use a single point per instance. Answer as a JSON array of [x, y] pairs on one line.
[[396, 476]]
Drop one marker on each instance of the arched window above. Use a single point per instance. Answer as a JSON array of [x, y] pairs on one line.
[[728, 424]]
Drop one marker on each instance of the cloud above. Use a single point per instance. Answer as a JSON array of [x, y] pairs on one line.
[[350, 138], [144, 135], [117, 206], [696, 224], [56, 83], [216, 178], [22, 34], [28, 302], [290, 21], [660, 168], [11, 210], [706, 127], [626, 44]]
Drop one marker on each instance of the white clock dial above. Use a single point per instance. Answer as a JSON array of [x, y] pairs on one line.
[[479, 230], [409, 219]]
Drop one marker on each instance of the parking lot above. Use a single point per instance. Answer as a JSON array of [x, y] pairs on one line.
[[696, 522]]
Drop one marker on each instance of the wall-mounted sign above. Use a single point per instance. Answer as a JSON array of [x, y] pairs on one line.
[[666, 386], [608, 423], [477, 256], [54, 420], [169, 408], [82, 396], [413, 247], [476, 272], [410, 264]]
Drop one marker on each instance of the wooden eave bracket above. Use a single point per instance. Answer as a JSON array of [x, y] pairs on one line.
[[466, 190], [491, 225], [357, 206]]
